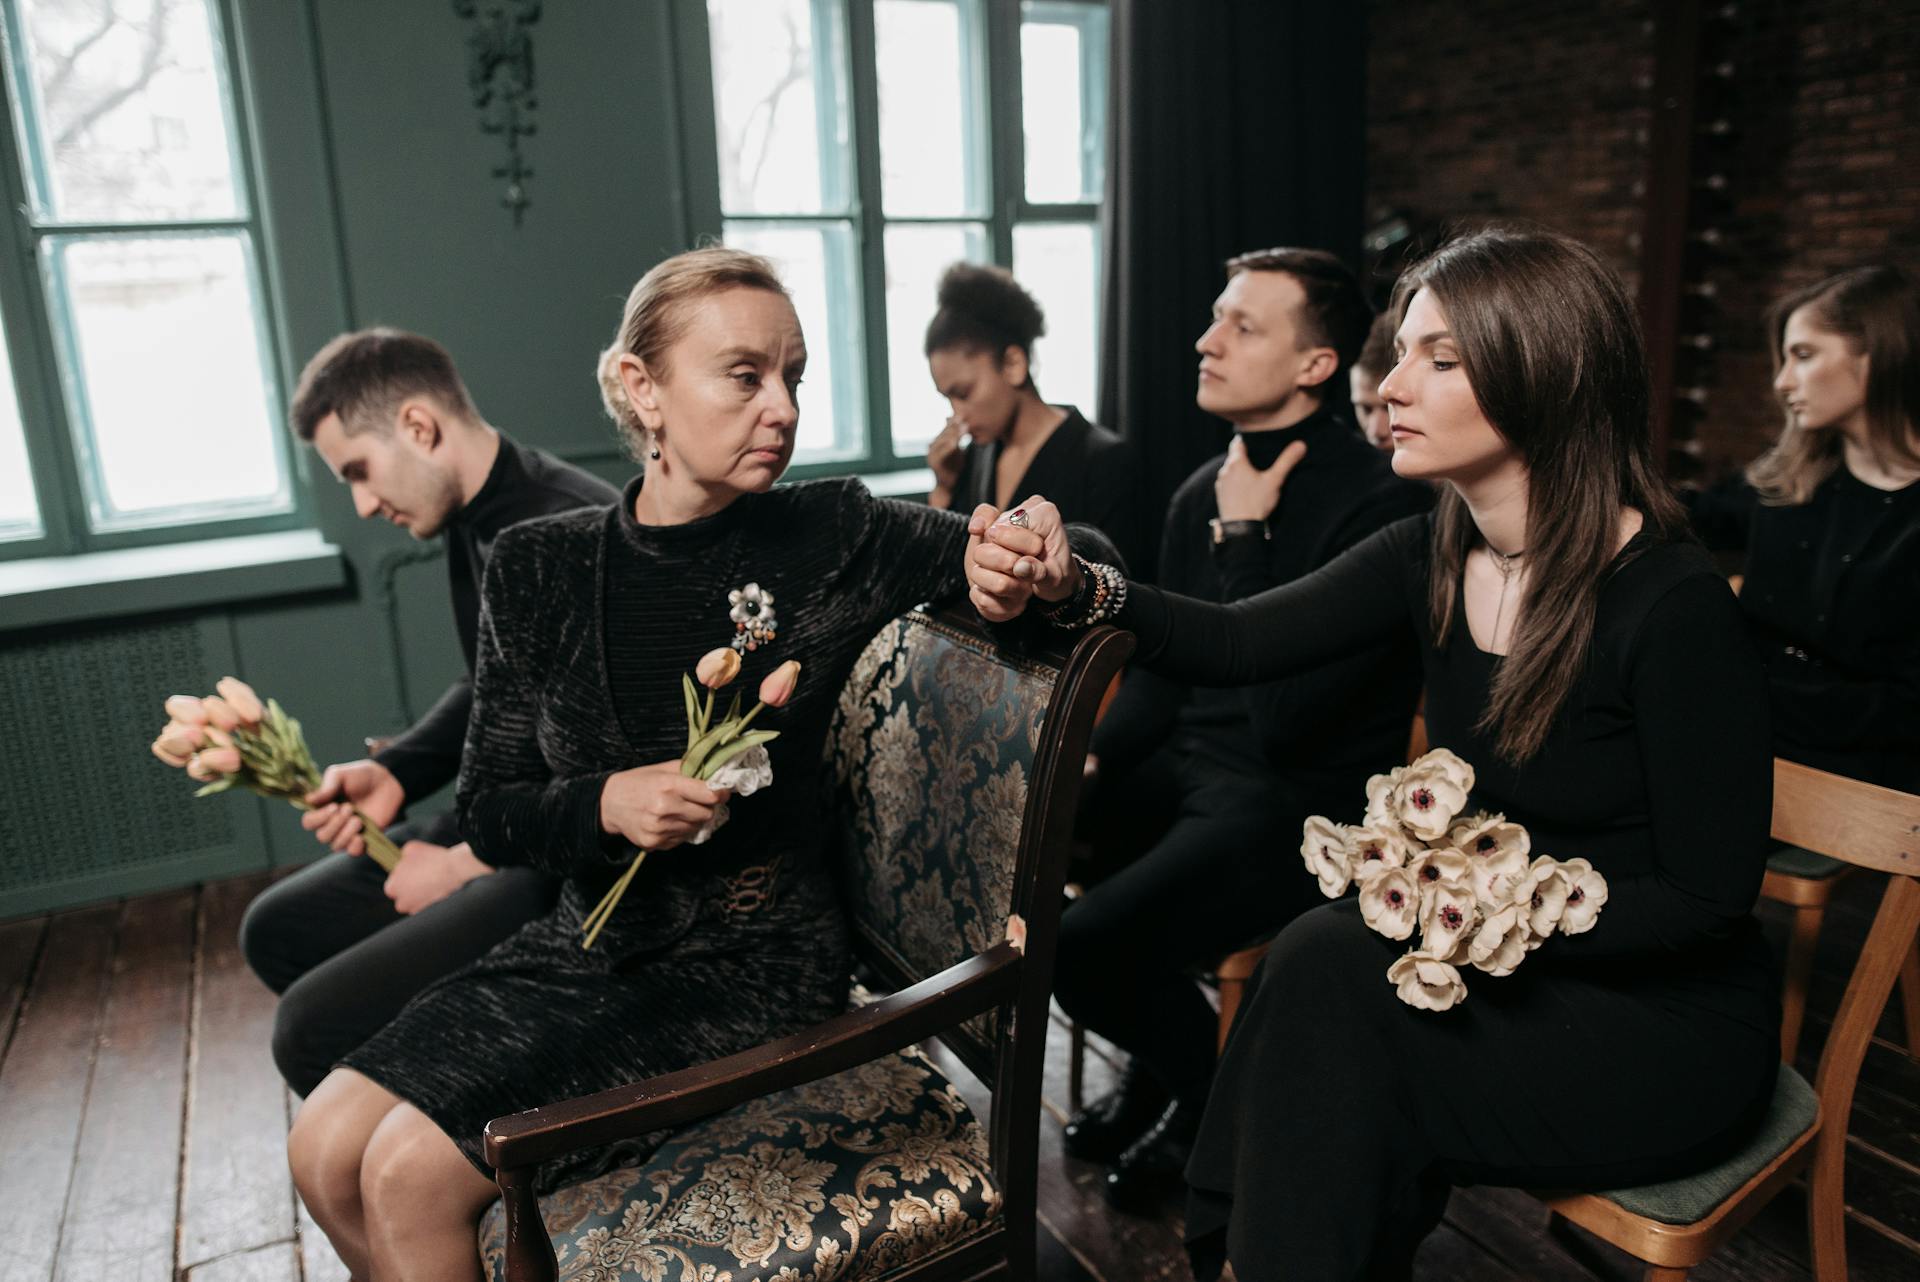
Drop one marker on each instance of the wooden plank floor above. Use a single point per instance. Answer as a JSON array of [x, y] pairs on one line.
[[144, 1129]]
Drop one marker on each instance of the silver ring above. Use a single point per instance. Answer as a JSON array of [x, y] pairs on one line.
[[1018, 518]]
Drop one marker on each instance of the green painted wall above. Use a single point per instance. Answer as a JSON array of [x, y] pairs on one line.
[[380, 207]]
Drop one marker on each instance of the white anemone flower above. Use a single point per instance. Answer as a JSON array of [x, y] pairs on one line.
[[1449, 915], [1586, 893], [1324, 849], [1500, 945], [1542, 896], [1389, 901], [1426, 982]]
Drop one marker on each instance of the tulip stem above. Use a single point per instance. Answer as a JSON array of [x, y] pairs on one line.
[[603, 911]]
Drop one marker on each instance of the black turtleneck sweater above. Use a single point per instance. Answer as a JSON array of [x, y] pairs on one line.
[[1325, 728], [522, 483]]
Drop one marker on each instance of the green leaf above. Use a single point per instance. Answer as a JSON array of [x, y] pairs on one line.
[[720, 734], [218, 785], [693, 714], [734, 749]]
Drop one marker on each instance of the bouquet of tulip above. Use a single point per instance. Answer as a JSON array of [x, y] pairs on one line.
[[230, 739], [723, 755], [1465, 883]]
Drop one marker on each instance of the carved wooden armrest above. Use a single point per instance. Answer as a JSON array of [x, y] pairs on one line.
[[911, 1015]]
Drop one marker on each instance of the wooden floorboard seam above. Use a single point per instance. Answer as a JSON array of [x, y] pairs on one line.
[[186, 1078], [93, 1062], [1899, 1163], [1079, 1257], [27, 981]]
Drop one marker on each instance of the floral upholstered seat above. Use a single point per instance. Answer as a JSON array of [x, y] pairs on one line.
[[847, 1177]]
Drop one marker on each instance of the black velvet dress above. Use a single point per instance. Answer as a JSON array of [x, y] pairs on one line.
[[589, 621], [1636, 1051]]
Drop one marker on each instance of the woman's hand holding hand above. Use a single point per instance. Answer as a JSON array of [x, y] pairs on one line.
[[1009, 563], [656, 807]]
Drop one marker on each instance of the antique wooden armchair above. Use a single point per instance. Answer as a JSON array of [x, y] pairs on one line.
[[956, 760]]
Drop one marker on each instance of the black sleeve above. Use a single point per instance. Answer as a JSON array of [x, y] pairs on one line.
[[510, 805], [1700, 715], [1722, 516], [1286, 711], [1828, 709], [1359, 598], [426, 756], [897, 554]]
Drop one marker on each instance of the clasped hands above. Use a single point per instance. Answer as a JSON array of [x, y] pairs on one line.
[[1008, 564]]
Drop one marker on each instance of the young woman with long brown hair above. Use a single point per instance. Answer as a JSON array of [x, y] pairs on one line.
[[1582, 653], [1830, 522]]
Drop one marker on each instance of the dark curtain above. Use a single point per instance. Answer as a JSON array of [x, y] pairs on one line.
[[1232, 125]]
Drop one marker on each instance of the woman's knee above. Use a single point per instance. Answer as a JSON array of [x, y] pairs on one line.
[[327, 1143], [413, 1168]]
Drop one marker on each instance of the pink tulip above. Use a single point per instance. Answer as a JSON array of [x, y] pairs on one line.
[[717, 667], [241, 698], [222, 761], [187, 710], [194, 737], [779, 686], [217, 737], [168, 750], [220, 712], [200, 771]]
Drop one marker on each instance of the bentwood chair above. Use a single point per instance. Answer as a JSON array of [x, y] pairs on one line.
[[1675, 1226], [955, 764]]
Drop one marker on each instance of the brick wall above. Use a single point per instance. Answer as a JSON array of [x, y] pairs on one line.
[[1540, 110]]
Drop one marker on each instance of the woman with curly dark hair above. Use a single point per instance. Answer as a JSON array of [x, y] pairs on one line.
[[1002, 439]]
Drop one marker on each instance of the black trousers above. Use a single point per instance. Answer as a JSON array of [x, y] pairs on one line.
[[327, 939], [1221, 870]]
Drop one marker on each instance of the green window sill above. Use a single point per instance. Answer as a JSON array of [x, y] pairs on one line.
[[177, 576]]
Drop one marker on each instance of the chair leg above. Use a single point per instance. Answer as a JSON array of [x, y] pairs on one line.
[[1076, 1064], [1800, 946], [1910, 998]]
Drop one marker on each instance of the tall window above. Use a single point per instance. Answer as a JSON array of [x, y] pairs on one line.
[[866, 144], [137, 396]]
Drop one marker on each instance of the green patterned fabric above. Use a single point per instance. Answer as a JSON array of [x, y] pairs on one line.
[[845, 1178], [931, 749], [1795, 862], [1690, 1200]]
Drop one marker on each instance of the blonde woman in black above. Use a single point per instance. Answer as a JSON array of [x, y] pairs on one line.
[[1584, 655]]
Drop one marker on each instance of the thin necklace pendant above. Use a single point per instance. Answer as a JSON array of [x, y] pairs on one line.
[[1504, 562]]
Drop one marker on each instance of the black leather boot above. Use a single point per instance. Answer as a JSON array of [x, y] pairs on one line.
[[1154, 1166], [1103, 1129]]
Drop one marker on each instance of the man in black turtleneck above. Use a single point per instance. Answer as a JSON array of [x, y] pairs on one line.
[[345, 944], [1221, 780]]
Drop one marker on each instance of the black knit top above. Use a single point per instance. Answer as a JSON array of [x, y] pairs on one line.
[[1657, 767], [590, 618]]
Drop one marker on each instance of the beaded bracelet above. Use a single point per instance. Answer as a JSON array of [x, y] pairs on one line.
[[1102, 593]]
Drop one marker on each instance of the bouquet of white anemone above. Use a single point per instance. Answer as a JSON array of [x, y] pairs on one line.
[[1464, 882]]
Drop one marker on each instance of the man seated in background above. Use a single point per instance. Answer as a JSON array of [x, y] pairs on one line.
[[345, 944], [1205, 790]]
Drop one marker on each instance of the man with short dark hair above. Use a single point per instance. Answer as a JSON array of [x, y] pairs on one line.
[[344, 944], [1220, 781]]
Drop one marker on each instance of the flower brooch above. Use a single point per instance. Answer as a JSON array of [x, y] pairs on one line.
[[751, 609]]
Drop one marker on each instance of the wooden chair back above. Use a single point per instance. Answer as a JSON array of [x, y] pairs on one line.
[[1872, 828]]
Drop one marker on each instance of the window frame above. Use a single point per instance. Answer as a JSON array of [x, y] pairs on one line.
[[996, 81], [44, 349]]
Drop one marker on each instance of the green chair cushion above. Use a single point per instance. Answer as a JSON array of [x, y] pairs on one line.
[[1795, 862], [850, 1176], [1692, 1199]]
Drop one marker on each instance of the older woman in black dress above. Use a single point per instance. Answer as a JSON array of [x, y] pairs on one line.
[[1583, 654], [589, 620], [1830, 521]]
